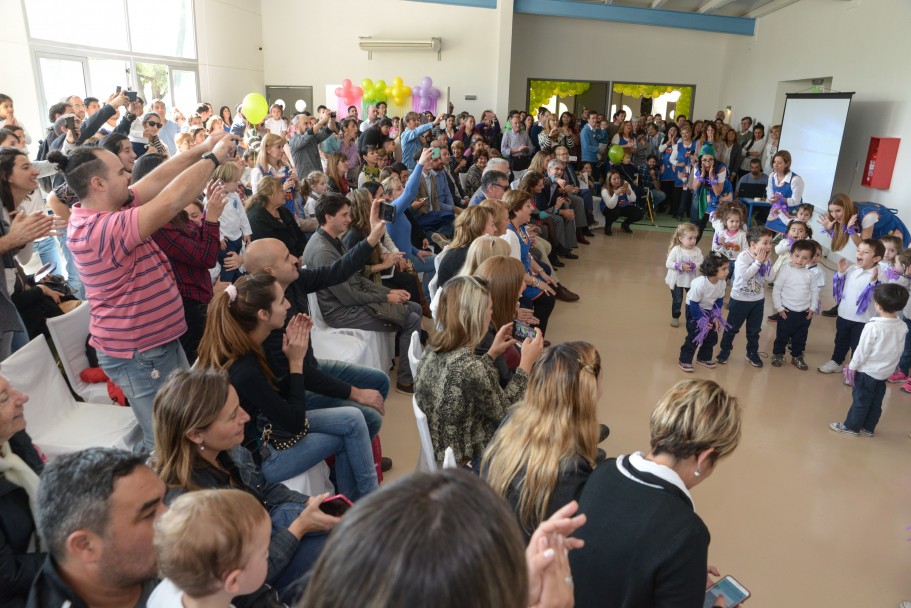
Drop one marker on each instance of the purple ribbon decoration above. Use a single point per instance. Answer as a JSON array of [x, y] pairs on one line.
[[863, 300], [706, 324], [677, 266], [850, 229], [838, 287], [892, 274], [779, 207], [765, 268], [849, 376], [828, 231]]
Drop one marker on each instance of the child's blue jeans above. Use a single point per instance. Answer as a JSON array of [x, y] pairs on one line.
[[867, 404], [235, 246]]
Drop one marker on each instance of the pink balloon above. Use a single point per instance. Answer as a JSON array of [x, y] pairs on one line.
[[357, 91], [346, 84], [339, 91]]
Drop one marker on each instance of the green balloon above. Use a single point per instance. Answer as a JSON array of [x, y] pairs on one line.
[[615, 154]]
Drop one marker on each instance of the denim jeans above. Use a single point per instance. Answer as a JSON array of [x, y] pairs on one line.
[[905, 362], [867, 403], [689, 347], [72, 273], [738, 312], [357, 376], [49, 253], [428, 268], [658, 198], [339, 431], [141, 376], [677, 294], [311, 545]]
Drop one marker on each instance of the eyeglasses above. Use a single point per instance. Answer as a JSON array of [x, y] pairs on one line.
[[501, 186], [157, 125]]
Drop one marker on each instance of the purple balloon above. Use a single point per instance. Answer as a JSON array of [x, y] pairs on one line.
[[426, 82], [417, 91], [434, 93]]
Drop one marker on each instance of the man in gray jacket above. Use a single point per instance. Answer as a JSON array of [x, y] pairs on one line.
[[359, 303], [305, 146]]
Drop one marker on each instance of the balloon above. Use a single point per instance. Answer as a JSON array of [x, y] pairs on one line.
[[357, 91], [426, 82], [615, 154], [366, 84], [300, 105], [406, 91], [255, 108], [397, 82], [339, 91], [434, 93], [346, 84], [380, 84], [399, 101]]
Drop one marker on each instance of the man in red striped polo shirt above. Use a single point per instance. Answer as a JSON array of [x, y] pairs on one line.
[[137, 313]]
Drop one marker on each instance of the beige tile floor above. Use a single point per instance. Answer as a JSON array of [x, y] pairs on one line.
[[800, 515]]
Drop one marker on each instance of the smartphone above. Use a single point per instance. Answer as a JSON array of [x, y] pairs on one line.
[[44, 271], [732, 591], [131, 95], [520, 331], [387, 212], [435, 153], [332, 114], [71, 123], [336, 506]]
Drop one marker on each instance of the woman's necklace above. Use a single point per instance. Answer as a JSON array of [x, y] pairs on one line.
[[523, 236]]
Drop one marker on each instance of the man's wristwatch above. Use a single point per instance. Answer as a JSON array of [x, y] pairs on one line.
[[211, 156]]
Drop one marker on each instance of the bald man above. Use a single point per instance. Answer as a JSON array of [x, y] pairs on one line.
[[329, 383]]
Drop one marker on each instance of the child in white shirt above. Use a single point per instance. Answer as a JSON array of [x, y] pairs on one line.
[[817, 272], [704, 318], [875, 357], [901, 274], [275, 123], [234, 227], [683, 258], [747, 302], [853, 289], [212, 545], [796, 298], [730, 237]]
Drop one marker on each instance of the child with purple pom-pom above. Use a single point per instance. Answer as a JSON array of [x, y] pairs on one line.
[[704, 317]]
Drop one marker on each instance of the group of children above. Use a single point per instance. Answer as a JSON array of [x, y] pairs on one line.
[[870, 295]]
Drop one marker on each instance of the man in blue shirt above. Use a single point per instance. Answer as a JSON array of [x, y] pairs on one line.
[[591, 138]]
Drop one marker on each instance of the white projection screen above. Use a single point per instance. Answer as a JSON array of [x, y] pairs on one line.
[[811, 130]]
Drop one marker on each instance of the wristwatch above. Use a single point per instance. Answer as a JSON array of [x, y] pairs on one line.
[[211, 156]]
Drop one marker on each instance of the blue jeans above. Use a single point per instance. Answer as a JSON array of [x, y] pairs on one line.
[[905, 362], [847, 336], [689, 348], [677, 294], [738, 312], [141, 376], [428, 268], [72, 274], [357, 376], [49, 253], [658, 197], [340, 431], [867, 403], [311, 545]]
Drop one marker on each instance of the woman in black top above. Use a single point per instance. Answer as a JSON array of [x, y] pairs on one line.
[[20, 465], [469, 225], [269, 218], [644, 543]]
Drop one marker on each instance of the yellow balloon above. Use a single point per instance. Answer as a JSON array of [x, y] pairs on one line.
[[255, 108]]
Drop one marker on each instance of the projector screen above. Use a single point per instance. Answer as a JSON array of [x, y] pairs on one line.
[[811, 130]]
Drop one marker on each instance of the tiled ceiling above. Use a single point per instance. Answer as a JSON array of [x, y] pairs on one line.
[[727, 8]]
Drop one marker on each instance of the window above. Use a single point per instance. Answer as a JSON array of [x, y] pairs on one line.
[[61, 78], [163, 27], [103, 23]]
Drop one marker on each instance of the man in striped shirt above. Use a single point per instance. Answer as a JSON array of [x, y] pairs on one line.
[[137, 313]]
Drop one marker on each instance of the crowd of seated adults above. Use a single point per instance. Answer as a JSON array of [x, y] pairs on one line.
[[197, 241]]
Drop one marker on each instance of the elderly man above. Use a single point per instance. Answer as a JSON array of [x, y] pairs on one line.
[[329, 383], [494, 184], [498, 164], [305, 145], [554, 203], [574, 189], [96, 511]]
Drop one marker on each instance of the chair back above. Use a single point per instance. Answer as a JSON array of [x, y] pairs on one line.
[[69, 333], [449, 461], [315, 313], [426, 461], [414, 352]]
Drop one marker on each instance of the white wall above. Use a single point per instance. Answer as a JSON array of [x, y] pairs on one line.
[[228, 39], [300, 48], [561, 48], [18, 74], [862, 45]]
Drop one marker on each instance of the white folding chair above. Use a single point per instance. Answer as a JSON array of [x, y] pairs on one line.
[[380, 345], [463, 180], [339, 347], [312, 481], [57, 423], [426, 461], [414, 353], [449, 461], [69, 332]]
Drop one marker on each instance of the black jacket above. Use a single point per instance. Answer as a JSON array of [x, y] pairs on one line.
[[284, 228], [50, 591], [18, 567]]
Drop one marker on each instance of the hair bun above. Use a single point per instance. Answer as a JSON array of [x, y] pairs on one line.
[[58, 158]]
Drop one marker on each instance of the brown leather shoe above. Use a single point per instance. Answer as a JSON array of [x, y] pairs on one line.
[[580, 237], [565, 295]]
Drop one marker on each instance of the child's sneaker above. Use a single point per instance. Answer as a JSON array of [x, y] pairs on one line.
[[687, 367], [830, 367], [675, 322], [799, 363], [866, 433], [754, 360], [710, 364], [777, 360], [722, 358], [906, 387], [840, 428], [898, 377]]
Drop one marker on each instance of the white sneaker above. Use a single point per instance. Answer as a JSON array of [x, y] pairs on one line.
[[905, 604], [830, 367]]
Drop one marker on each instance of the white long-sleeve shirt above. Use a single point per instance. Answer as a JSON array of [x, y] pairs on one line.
[[796, 188], [748, 286], [795, 289], [233, 223], [856, 280], [705, 292], [682, 278], [729, 245], [612, 200], [881, 344]]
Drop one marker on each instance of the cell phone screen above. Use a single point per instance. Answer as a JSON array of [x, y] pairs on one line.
[[732, 591], [520, 331], [131, 95], [336, 506], [388, 212]]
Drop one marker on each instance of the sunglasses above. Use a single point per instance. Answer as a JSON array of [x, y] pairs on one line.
[[157, 125]]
